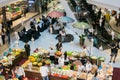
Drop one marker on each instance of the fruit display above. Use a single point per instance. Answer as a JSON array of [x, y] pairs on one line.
[[62, 72], [2, 78], [39, 64], [47, 62], [58, 53], [37, 60], [35, 63], [32, 58], [69, 53], [17, 51], [66, 67], [75, 54]]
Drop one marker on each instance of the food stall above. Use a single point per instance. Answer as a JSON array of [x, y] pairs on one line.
[[17, 55], [32, 65], [14, 10]]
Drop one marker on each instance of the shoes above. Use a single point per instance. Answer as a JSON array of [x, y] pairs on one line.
[[113, 61]]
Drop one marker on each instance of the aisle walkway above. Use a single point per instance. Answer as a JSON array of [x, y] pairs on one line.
[[46, 39]]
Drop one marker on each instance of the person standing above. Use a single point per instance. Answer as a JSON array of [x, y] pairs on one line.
[[8, 34], [88, 66], [61, 61], [44, 71], [99, 14], [59, 46], [114, 51], [78, 9], [19, 71], [117, 17], [10, 59], [1, 43], [52, 52], [3, 35], [27, 49]]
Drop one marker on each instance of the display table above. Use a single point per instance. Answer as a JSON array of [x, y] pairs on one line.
[[16, 55], [35, 74], [18, 58], [56, 73]]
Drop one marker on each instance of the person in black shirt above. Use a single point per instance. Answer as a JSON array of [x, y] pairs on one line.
[[114, 51], [59, 46], [27, 49]]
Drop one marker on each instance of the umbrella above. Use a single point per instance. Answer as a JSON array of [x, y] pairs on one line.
[[82, 25], [55, 14], [66, 19]]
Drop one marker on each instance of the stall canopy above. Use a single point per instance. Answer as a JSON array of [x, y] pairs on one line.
[[6, 2], [109, 4]]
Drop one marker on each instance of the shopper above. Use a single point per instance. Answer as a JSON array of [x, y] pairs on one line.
[[1, 43], [114, 51], [78, 9], [99, 14], [88, 66], [59, 46], [27, 49], [8, 34], [44, 71], [65, 55], [3, 35], [52, 52], [10, 59], [24, 11], [19, 71], [117, 17]]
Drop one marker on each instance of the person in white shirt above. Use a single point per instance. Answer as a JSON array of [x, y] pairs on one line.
[[19, 71], [10, 59], [61, 61], [81, 68], [52, 52], [88, 66], [1, 43], [44, 72]]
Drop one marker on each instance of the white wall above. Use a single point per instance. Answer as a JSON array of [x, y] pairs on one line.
[[109, 4]]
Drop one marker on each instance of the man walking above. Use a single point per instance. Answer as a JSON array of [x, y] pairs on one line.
[[114, 51]]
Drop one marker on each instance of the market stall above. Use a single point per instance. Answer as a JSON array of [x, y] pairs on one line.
[[16, 54], [40, 55], [14, 10]]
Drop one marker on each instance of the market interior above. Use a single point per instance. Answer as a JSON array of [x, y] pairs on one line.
[[41, 40]]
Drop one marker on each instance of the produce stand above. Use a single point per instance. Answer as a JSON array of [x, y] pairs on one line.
[[64, 72], [18, 58], [36, 74], [17, 54]]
